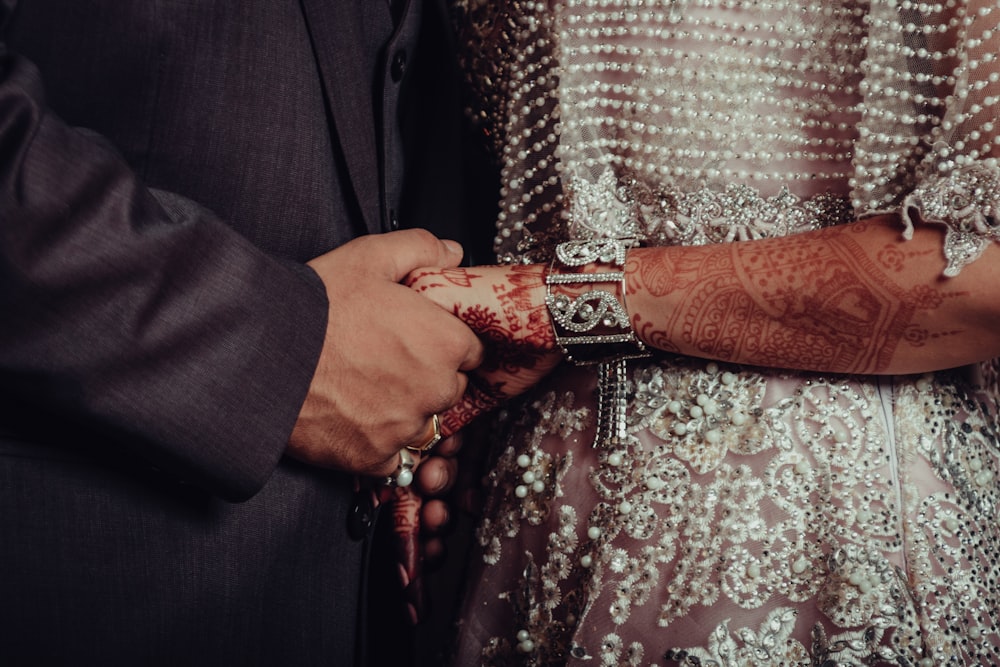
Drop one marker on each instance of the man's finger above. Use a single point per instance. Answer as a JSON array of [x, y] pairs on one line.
[[435, 517], [399, 253], [436, 475], [449, 446]]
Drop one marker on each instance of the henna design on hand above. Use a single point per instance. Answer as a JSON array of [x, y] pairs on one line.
[[454, 277], [405, 506], [505, 307], [519, 334], [524, 307], [480, 397], [503, 351]]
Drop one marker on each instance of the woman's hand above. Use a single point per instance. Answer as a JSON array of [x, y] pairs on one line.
[[505, 307]]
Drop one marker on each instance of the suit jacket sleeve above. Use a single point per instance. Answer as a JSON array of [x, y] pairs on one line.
[[136, 315]]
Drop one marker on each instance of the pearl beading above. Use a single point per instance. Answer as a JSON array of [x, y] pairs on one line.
[[685, 95]]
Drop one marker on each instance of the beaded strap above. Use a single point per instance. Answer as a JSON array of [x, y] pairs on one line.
[[591, 327]]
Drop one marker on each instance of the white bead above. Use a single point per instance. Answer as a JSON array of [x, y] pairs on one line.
[[593, 532]]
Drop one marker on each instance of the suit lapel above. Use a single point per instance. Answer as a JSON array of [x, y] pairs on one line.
[[337, 32]]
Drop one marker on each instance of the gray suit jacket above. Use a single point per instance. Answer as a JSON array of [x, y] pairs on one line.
[[166, 167]]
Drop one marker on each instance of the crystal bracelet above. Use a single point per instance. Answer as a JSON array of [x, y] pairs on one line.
[[593, 326]]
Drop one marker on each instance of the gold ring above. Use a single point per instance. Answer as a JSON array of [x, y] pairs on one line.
[[433, 440]]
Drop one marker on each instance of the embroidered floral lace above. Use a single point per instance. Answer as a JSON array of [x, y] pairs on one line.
[[749, 518]]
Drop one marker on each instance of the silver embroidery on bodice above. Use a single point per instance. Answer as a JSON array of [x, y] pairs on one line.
[[748, 518]]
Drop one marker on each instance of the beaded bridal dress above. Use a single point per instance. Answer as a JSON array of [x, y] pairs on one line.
[[748, 517]]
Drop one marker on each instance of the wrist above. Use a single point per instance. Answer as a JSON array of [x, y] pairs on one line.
[[585, 297]]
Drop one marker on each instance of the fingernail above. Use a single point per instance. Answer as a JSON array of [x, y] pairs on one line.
[[404, 578], [453, 247]]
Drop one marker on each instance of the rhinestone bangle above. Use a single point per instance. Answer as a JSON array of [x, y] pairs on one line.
[[591, 327]]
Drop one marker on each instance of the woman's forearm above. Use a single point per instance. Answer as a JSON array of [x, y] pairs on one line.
[[849, 299]]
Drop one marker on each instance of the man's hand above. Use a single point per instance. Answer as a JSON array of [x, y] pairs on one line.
[[391, 358]]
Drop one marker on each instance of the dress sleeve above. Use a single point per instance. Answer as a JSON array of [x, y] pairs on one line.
[[967, 202], [929, 144], [955, 69]]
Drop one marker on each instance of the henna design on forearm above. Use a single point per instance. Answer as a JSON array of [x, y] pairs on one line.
[[804, 303], [892, 257], [659, 274], [924, 297]]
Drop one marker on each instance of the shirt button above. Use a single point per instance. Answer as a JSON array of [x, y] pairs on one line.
[[398, 68], [393, 220], [361, 517]]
